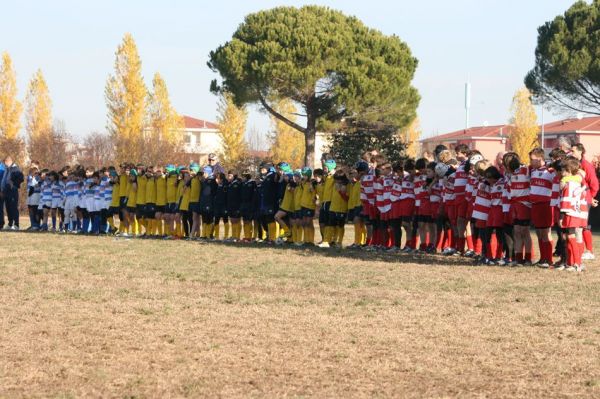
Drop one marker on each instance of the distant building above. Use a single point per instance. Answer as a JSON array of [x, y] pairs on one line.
[[200, 138], [492, 139], [489, 140], [579, 130]]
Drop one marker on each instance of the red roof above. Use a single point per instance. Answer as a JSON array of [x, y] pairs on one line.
[[590, 124], [478, 131], [193, 123]]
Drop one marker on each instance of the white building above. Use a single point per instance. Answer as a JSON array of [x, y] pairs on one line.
[[201, 138]]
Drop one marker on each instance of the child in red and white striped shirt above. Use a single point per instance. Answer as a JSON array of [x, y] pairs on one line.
[[543, 191], [573, 212]]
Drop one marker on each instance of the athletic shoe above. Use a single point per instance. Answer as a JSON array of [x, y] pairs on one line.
[[571, 268], [469, 254], [501, 262], [406, 250], [298, 244], [324, 245], [560, 267], [14, 228], [587, 255]]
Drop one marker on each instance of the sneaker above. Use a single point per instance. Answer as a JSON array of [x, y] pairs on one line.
[[324, 245], [543, 265], [571, 268], [587, 255], [298, 244], [469, 254], [560, 267], [16, 228], [581, 268], [501, 262], [406, 250]]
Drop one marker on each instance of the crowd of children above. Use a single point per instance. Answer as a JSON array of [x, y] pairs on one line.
[[456, 203]]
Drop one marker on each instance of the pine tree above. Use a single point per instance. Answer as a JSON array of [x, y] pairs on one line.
[[125, 95], [287, 143], [162, 138], [10, 110], [525, 134], [38, 118], [232, 129]]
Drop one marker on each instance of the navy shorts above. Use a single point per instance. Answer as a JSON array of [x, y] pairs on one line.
[[149, 211], [171, 208], [234, 213], [307, 213], [195, 207], [324, 214]]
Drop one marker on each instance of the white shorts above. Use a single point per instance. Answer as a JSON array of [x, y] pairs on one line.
[[90, 204], [33, 199], [71, 203], [57, 203]]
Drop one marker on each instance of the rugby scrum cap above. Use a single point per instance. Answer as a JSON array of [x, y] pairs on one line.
[[170, 168], [306, 171], [475, 158], [362, 166], [284, 167], [133, 172], [330, 163], [441, 169], [194, 167], [298, 172]]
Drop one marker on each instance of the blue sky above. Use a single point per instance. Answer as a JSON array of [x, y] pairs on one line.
[[73, 42]]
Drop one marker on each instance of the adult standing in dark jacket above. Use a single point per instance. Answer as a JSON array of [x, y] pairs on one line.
[[9, 186]]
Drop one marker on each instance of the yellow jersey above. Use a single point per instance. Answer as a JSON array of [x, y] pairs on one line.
[[123, 183], [141, 183], [116, 197], [298, 198], [354, 200], [131, 195], [339, 204], [319, 190], [184, 193], [151, 191], [195, 190], [328, 189], [287, 203], [172, 189], [161, 191], [308, 195]]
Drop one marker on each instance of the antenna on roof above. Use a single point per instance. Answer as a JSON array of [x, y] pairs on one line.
[[467, 101], [579, 116], [485, 124]]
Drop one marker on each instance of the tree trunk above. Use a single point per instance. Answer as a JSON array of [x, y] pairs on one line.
[[309, 141]]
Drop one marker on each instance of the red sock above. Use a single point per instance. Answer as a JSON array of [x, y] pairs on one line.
[[580, 250], [469, 240], [519, 257], [439, 240], [571, 248], [529, 256], [550, 249], [478, 246], [587, 239], [492, 246]]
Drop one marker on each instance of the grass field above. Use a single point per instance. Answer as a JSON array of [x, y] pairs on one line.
[[102, 317]]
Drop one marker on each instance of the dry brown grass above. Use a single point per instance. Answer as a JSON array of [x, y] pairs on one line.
[[99, 317]]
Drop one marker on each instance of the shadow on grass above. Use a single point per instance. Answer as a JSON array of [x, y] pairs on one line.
[[305, 250]]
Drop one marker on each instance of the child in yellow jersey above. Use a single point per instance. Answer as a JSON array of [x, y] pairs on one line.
[[325, 224], [184, 201], [113, 209], [122, 194], [171, 207], [308, 205], [195, 186], [150, 207], [355, 205], [141, 199], [131, 202], [286, 208], [338, 209], [296, 216], [161, 200]]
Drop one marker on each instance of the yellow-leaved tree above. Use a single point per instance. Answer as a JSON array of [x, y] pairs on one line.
[[38, 119], [125, 95], [287, 143], [410, 136], [524, 136], [10, 111], [162, 137], [232, 130]]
